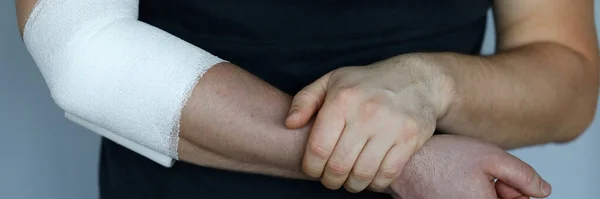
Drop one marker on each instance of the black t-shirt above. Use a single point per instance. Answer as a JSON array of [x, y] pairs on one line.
[[289, 44]]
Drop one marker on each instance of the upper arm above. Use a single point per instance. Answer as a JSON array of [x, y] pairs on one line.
[[567, 22], [24, 8]]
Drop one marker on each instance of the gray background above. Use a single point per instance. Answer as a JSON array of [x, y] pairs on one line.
[[44, 156]]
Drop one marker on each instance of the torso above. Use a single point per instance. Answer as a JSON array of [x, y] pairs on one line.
[[288, 43]]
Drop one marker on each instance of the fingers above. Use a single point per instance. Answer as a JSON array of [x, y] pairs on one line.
[[519, 175], [343, 158], [322, 140], [368, 164], [307, 102], [505, 191], [392, 165]]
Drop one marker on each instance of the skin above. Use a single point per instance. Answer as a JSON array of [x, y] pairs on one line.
[[235, 121], [371, 118], [222, 87], [474, 183], [540, 87]]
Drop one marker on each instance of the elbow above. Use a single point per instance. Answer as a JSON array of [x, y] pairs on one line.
[[583, 104], [572, 134], [64, 100], [71, 98], [578, 122]]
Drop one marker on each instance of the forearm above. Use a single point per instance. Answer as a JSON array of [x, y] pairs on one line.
[[138, 97], [235, 115], [196, 155], [530, 95]]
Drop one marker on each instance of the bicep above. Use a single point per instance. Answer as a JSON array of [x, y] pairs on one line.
[[567, 22], [24, 8]]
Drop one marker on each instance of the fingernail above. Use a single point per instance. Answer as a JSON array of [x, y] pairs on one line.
[[546, 188]]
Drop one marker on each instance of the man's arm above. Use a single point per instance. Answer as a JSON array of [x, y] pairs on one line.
[[232, 115], [237, 116], [541, 87], [233, 120], [262, 131]]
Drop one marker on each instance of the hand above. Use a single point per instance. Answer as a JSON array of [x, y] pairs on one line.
[[456, 167], [370, 120]]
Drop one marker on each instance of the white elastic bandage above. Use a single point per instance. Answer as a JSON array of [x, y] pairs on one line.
[[119, 77]]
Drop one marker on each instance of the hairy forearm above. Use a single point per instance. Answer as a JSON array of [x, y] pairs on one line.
[[236, 119], [530, 95], [194, 154]]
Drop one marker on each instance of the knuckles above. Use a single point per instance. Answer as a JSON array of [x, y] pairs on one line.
[[338, 169], [319, 151], [364, 174], [390, 173], [371, 109], [347, 94], [409, 131]]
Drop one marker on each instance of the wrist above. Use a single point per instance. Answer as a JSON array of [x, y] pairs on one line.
[[441, 84], [446, 87]]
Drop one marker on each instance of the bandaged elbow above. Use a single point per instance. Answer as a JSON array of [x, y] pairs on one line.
[[105, 67]]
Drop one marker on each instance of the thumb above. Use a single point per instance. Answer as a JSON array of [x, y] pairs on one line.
[[307, 102], [505, 191], [519, 175]]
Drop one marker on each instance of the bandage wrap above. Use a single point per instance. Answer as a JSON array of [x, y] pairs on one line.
[[121, 77]]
